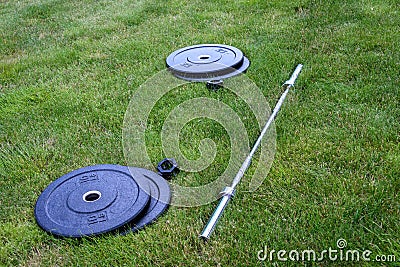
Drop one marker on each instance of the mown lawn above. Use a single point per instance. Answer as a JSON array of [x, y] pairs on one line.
[[69, 68]]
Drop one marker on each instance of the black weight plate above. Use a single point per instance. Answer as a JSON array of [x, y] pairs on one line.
[[207, 61], [90, 201], [159, 200]]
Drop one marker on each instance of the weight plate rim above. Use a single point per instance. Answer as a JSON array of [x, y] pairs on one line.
[[234, 72], [161, 205], [60, 230]]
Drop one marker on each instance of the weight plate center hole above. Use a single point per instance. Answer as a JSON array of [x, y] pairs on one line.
[[167, 165], [204, 57], [91, 196]]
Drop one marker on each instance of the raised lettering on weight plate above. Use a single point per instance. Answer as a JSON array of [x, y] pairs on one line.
[[97, 218], [88, 178], [186, 65], [222, 51]]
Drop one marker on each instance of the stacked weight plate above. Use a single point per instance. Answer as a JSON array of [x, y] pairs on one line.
[[102, 198], [205, 62]]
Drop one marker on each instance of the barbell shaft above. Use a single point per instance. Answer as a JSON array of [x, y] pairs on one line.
[[212, 222], [229, 191]]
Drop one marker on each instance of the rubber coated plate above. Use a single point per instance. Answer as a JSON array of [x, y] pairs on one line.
[[207, 61], [159, 201], [90, 201]]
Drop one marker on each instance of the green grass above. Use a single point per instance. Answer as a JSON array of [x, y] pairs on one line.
[[69, 68]]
